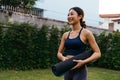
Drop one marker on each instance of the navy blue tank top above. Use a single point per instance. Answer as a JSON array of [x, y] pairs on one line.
[[74, 46]]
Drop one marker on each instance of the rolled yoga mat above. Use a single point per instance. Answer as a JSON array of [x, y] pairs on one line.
[[62, 67]]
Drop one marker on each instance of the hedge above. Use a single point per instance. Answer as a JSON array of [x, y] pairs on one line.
[[24, 47]]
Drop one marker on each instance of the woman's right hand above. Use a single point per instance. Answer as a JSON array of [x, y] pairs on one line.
[[64, 58]]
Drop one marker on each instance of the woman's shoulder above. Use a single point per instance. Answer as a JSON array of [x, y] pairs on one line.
[[65, 34], [87, 31]]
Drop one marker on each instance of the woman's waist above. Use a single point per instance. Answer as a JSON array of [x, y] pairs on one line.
[[73, 52]]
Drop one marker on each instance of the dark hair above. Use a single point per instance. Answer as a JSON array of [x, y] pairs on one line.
[[80, 12]]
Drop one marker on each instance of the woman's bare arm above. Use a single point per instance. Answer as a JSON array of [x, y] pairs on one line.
[[61, 48], [94, 46], [97, 54]]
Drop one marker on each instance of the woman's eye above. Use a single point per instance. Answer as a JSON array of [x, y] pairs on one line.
[[70, 14]]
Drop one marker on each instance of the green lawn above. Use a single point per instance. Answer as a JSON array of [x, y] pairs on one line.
[[46, 74]]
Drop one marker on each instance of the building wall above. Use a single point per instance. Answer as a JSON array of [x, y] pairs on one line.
[[3, 17], [39, 21], [107, 21], [97, 31], [104, 25], [117, 25], [58, 9]]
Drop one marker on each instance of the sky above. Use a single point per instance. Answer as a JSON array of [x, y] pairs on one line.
[[58, 9], [111, 7]]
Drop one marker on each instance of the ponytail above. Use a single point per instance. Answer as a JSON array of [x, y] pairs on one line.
[[82, 23]]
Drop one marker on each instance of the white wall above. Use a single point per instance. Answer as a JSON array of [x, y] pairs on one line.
[[55, 9], [105, 25], [58, 9], [117, 26]]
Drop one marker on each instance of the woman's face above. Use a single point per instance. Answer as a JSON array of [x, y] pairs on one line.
[[73, 17]]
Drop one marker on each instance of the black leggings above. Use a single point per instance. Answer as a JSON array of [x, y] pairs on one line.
[[77, 74]]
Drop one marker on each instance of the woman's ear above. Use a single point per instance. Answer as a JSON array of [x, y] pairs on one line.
[[80, 16]]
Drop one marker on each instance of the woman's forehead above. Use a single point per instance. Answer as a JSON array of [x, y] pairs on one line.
[[72, 11]]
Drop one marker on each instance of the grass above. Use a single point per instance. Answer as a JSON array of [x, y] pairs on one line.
[[46, 74], [103, 74]]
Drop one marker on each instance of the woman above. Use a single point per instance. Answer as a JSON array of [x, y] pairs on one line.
[[74, 42]]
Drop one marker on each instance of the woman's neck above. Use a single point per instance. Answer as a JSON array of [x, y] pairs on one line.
[[76, 27]]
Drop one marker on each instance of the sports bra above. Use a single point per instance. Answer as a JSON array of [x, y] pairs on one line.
[[74, 46]]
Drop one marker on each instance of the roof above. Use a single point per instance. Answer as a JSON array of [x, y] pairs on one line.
[[109, 15]]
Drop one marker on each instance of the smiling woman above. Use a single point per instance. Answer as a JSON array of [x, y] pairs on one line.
[[74, 42]]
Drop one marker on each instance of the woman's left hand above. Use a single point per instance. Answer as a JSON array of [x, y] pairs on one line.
[[79, 64]]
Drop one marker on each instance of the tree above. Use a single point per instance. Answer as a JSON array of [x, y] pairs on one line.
[[18, 3]]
